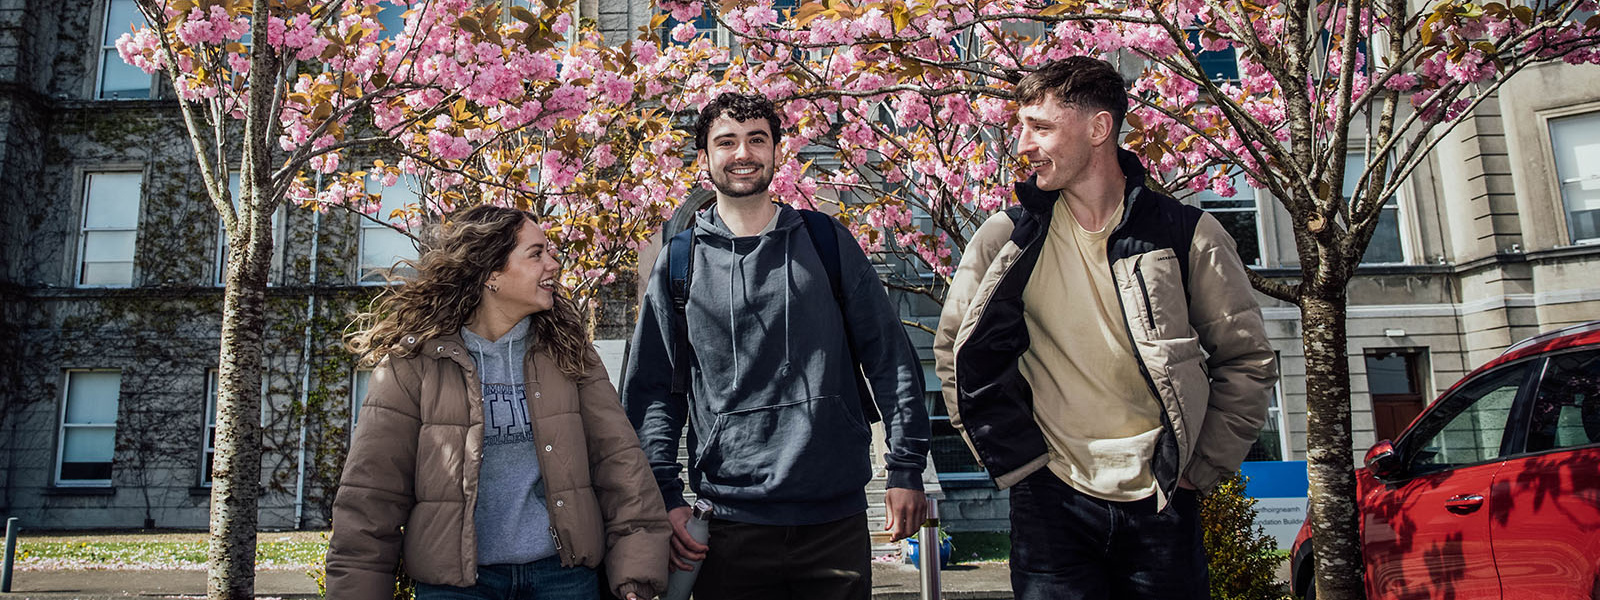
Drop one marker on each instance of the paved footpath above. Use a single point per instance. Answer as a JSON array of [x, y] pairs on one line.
[[988, 581]]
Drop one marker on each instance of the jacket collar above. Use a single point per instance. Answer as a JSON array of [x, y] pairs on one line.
[[441, 347], [1041, 202], [452, 347]]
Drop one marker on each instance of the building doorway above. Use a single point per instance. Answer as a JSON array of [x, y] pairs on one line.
[[1394, 379]]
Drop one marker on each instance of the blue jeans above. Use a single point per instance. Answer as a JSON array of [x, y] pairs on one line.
[[1066, 545], [543, 579]]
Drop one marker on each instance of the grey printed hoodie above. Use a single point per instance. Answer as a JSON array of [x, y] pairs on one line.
[[511, 518], [778, 435]]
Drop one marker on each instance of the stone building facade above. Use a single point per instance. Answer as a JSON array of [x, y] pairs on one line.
[[111, 293]]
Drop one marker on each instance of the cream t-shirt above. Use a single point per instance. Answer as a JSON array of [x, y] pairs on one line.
[[1099, 417]]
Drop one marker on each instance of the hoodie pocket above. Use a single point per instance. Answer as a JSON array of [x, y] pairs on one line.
[[806, 450]]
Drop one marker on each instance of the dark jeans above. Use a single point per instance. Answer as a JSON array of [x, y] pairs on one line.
[[831, 561], [1066, 545], [543, 579]]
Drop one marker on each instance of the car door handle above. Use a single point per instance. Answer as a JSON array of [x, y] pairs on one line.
[[1464, 503]]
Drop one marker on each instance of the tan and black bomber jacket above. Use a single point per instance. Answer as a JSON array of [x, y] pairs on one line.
[[1188, 306]]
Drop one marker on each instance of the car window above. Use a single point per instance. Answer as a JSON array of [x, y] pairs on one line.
[[1467, 427], [1566, 412]]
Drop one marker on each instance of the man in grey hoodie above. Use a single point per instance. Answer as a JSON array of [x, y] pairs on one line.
[[779, 438]]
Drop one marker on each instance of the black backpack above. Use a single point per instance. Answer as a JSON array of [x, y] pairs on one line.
[[680, 266]]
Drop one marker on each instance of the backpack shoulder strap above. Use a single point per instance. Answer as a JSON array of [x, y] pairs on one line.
[[1188, 220], [680, 267], [826, 240], [1016, 213]]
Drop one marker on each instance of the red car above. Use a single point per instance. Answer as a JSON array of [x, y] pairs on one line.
[[1494, 490]]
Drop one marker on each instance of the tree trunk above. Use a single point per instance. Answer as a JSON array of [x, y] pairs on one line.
[[1337, 545], [236, 471], [236, 468]]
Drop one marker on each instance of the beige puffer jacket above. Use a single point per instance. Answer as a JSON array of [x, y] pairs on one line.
[[411, 479]]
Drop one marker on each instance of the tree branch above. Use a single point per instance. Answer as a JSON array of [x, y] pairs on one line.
[[1287, 292]]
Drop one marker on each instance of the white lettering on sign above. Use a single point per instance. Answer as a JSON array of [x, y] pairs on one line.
[[1281, 518]]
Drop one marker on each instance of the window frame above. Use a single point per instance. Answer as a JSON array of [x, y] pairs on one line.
[[62, 426], [1277, 415], [1195, 36], [1241, 183], [208, 426], [1554, 181], [213, 395], [279, 231], [86, 177], [1402, 215], [358, 394], [105, 50], [364, 223], [1277, 412], [1417, 364]]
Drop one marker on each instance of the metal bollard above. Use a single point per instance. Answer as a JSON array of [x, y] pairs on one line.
[[11, 553], [928, 553]]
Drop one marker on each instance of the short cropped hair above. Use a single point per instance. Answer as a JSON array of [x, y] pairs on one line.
[[742, 107], [1080, 81]]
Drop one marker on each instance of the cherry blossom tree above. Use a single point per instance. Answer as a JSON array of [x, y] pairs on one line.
[[508, 102], [913, 97]]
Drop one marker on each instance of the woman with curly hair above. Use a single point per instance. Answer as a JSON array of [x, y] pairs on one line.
[[492, 453]]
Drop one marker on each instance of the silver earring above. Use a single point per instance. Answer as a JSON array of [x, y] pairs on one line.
[[492, 287]]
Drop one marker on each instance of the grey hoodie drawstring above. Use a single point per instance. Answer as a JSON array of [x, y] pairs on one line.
[[788, 281], [511, 349], [733, 324]]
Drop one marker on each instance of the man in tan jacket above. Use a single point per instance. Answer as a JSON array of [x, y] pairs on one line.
[[1102, 354]]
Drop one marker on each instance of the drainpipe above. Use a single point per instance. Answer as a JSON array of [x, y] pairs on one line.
[[305, 367]]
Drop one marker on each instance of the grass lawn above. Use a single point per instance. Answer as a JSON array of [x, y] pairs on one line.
[[980, 546], [158, 550]]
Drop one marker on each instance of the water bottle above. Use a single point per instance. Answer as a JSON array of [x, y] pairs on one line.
[[682, 582]]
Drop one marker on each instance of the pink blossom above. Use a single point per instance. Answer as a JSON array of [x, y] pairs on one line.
[[603, 157], [1472, 67], [645, 53], [682, 11], [448, 147], [1401, 82], [683, 32], [1222, 185], [141, 49], [617, 90]]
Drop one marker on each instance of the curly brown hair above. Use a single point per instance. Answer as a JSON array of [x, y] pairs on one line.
[[448, 287]]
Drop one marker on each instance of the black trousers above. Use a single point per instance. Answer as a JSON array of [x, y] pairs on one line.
[[831, 561], [1066, 545]]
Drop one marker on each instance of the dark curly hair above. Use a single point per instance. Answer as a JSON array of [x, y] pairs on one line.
[[742, 107], [448, 287], [1082, 81]]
